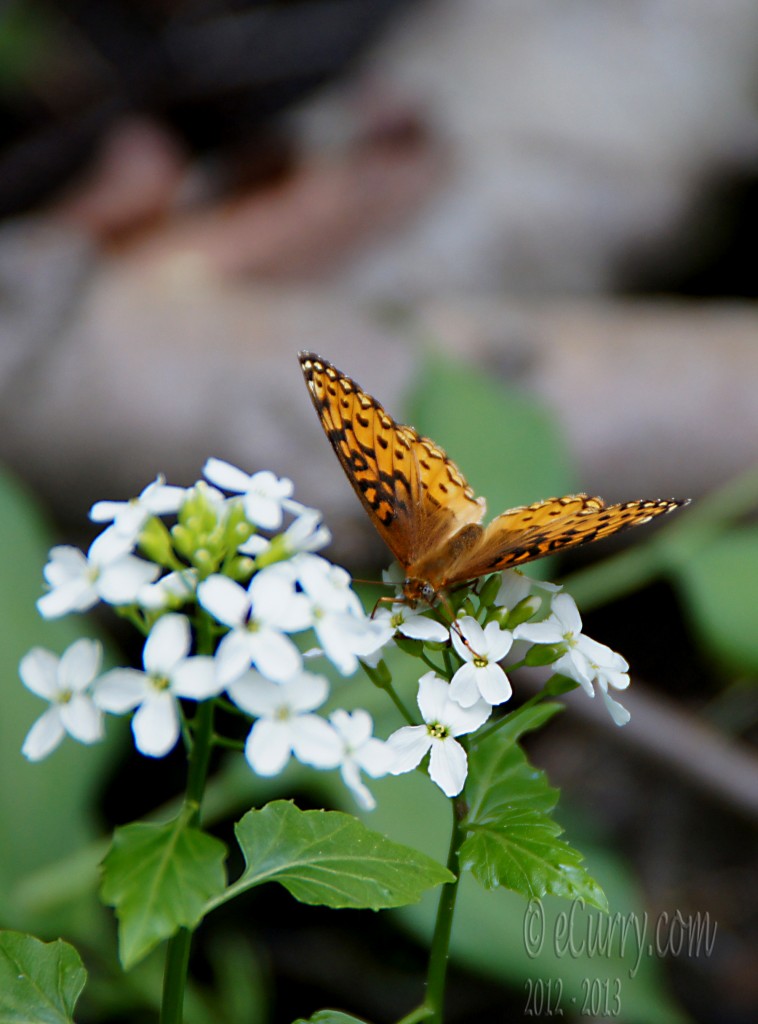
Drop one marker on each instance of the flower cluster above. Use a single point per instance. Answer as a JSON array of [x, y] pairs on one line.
[[511, 617], [230, 596], [214, 573]]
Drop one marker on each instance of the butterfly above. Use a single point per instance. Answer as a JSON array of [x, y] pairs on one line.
[[424, 510]]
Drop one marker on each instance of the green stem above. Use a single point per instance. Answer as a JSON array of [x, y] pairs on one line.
[[440, 951], [178, 949]]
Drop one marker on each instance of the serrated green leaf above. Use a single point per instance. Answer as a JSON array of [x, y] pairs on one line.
[[499, 775], [40, 982], [330, 1017], [159, 878], [512, 841], [521, 851], [720, 590], [330, 858]]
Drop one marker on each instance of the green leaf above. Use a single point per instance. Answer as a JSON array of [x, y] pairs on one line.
[[720, 589], [160, 878], [40, 982], [330, 1017], [330, 858], [512, 840]]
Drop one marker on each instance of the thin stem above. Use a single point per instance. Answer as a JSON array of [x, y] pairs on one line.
[[178, 949], [440, 951]]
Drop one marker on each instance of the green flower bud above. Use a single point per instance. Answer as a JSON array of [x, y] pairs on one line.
[[544, 654], [523, 611], [155, 543], [559, 684], [408, 646], [379, 675], [490, 589]]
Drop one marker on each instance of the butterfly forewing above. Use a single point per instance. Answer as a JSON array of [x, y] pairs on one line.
[[415, 496]]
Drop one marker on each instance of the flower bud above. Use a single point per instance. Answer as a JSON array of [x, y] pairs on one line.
[[544, 654]]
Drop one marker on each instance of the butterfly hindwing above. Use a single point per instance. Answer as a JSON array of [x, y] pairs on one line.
[[415, 496]]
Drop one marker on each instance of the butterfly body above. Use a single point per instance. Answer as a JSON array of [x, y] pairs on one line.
[[424, 510]]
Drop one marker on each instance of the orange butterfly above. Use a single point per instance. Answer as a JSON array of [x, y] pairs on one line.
[[425, 511]]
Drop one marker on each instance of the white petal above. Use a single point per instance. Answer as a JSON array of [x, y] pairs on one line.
[[408, 746], [268, 746], [79, 664], [513, 588], [108, 547], [497, 641], [462, 720], [44, 736], [351, 776], [39, 672], [493, 684], [464, 686], [119, 690], [354, 728], [65, 563], [162, 499], [275, 602], [233, 655], [226, 476], [617, 711], [473, 641], [375, 757], [419, 627], [106, 511], [196, 678], [315, 742], [76, 595], [168, 643], [305, 691], [226, 600], [548, 632], [255, 694], [119, 582], [274, 654], [564, 608], [263, 511], [448, 766], [433, 697], [156, 725], [82, 720]]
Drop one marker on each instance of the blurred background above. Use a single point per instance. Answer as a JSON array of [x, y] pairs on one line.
[[561, 198]]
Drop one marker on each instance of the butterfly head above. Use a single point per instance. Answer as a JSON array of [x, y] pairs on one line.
[[415, 590]]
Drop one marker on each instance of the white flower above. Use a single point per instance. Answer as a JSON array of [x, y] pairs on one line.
[[304, 534], [413, 624], [128, 517], [585, 660], [360, 752], [285, 723], [169, 674], [264, 496], [515, 586], [108, 572], [258, 619], [605, 668], [445, 719], [170, 591], [481, 650], [64, 682], [335, 612]]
